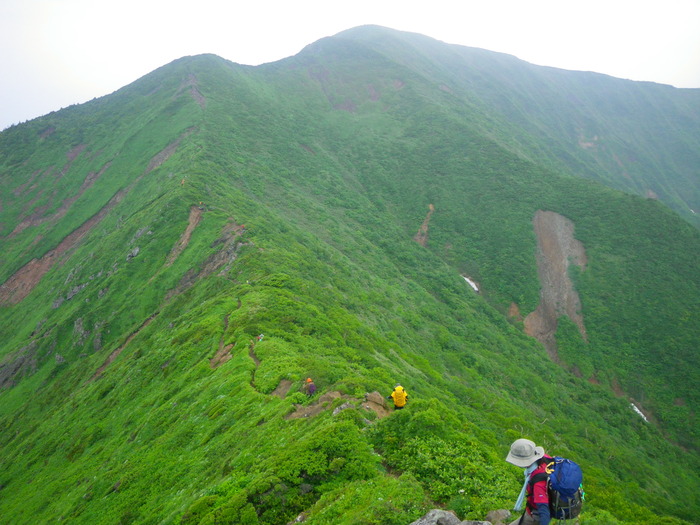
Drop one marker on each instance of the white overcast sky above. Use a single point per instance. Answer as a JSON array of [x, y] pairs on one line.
[[54, 53]]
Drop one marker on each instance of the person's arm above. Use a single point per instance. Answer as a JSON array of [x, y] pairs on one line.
[[541, 500], [543, 511]]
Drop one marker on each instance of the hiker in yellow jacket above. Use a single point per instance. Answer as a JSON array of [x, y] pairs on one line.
[[400, 396]]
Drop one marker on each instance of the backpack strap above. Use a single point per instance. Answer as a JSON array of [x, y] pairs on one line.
[[542, 476]]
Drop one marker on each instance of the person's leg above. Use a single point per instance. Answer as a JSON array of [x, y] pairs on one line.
[[527, 519]]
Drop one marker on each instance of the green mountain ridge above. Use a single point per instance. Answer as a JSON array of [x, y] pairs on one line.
[[332, 202]]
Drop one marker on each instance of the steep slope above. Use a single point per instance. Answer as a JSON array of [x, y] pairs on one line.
[[639, 137], [486, 200], [213, 234]]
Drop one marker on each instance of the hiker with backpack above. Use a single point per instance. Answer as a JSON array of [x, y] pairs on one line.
[[309, 387], [552, 488], [400, 396]]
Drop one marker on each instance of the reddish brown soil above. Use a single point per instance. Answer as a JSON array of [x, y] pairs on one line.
[[282, 389], [192, 83], [23, 281], [165, 154], [514, 312], [316, 407], [195, 217]]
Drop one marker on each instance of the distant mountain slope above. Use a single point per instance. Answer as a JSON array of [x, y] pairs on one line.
[[639, 137], [180, 256]]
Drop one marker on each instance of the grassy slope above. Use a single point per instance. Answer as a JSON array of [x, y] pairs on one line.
[[330, 275]]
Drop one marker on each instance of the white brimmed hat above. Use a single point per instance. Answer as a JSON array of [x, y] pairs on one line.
[[524, 453]]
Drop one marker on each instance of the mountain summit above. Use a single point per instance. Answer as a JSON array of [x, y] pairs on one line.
[[515, 245]]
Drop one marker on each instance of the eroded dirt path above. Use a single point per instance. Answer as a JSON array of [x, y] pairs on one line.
[[282, 389]]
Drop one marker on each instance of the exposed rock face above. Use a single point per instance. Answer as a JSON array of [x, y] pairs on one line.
[[20, 364], [376, 402], [445, 517], [556, 250], [373, 401], [498, 517]]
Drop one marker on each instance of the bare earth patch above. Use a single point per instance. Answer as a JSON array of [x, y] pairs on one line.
[[422, 236], [514, 312], [165, 153], [282, 389], [373, 401], [17, 365], [192, 83], [195, 217], [316, 407], [556, 249], [23, 281], [224, 352]]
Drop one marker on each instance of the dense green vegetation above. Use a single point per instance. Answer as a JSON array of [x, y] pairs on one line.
[[310, 178]]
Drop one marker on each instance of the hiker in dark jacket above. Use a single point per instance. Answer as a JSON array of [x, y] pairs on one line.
[[523, 453], [309, 387]]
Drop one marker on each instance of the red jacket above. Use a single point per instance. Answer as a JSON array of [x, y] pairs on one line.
[[537, 491]]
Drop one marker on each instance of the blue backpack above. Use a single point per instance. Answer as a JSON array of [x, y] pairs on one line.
[[565, 488]]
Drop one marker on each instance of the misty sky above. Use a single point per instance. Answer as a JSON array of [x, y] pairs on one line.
[[54, 53]]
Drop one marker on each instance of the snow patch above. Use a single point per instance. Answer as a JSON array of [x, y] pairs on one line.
[[636, 409], [471, 283]]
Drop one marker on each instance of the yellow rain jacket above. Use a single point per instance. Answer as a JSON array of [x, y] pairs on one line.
[[399, 395]]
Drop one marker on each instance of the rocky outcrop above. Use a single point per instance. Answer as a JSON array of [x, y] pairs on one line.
[[373, 401], [16, 366], [557, 249], [498, 517], [445, 517]]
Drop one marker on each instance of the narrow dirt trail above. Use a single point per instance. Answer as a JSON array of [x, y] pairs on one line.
[[254, 357]]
